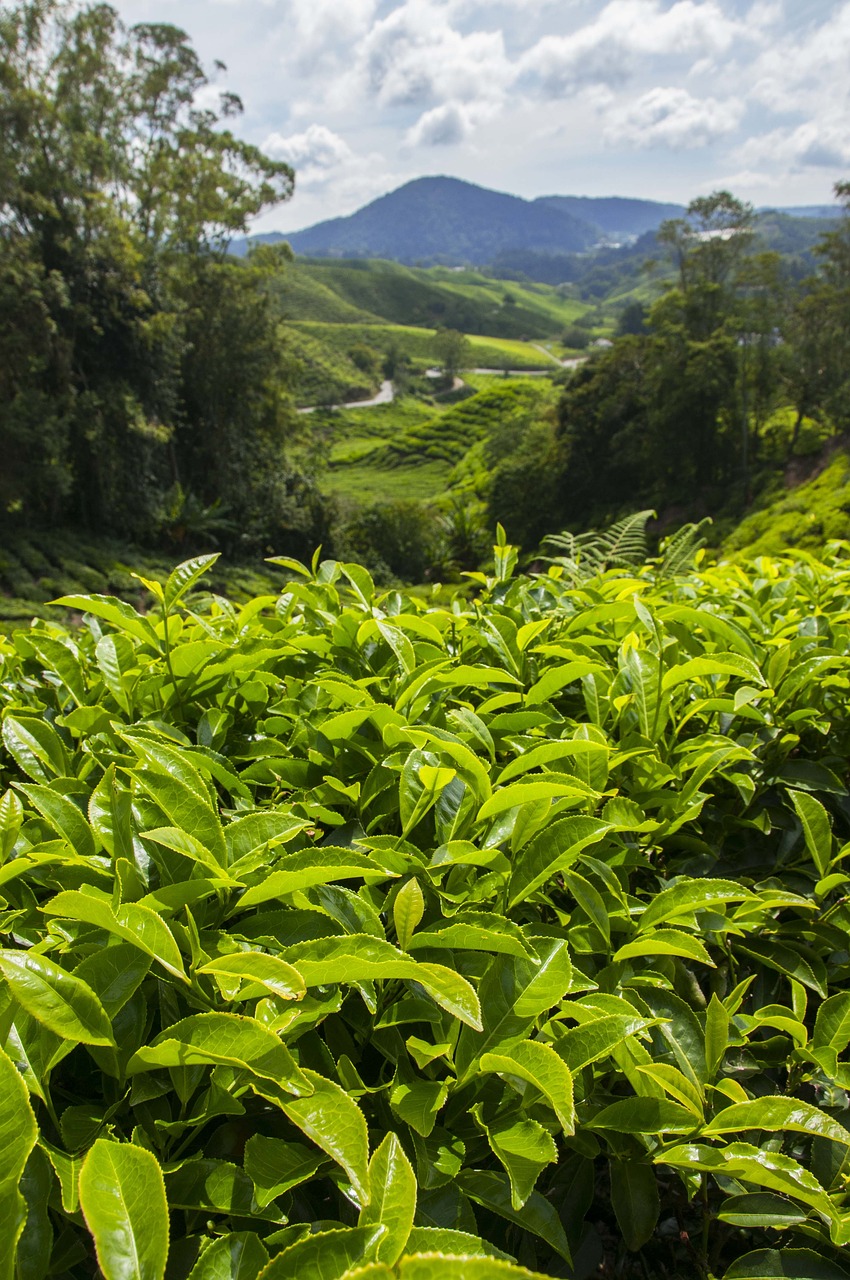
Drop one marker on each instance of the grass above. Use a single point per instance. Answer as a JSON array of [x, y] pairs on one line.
[[366, 483], [418, 344], [300, 295], [408, 450], [425, 297], [327, 374]]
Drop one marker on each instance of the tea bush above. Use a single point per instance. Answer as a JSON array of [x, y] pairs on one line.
[[349, 934]]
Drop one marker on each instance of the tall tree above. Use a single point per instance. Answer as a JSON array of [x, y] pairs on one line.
[[116, 193]]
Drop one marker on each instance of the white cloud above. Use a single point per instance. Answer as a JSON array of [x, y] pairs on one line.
[[316, 148], [806, 69], [672, 117], [625, 36], [443, 126], [321, 32], [415, 57], [814, 144]]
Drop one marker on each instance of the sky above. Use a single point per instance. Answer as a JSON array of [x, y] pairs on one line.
[[661, 99]]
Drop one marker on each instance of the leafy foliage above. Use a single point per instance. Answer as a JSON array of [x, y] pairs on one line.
[[345, 933], [134, 360]]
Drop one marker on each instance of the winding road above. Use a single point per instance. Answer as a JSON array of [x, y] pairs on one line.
[[386, 395]]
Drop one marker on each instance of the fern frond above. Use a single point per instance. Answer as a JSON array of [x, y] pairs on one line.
[[679, 550], [625, 541], [584, 555]]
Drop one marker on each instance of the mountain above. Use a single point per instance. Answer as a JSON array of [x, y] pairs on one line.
[[448, 222], [615, 217], [444, 220]]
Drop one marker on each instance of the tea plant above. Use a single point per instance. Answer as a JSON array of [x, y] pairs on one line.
[[346, 934]]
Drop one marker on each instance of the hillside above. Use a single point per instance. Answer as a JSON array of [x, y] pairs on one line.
[[444, 220], [615, 217], [366, 291], [799, 517]]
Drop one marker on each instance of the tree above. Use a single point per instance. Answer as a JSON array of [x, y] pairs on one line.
[[117, 193], [707, 247], [453, 350]]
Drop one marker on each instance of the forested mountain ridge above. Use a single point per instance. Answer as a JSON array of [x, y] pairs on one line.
[[445, 220]]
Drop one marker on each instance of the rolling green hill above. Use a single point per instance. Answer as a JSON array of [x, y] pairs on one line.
[[802, 518], [453, 299], [408, 449], [418, 344]]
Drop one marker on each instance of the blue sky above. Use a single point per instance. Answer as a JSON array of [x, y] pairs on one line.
[[665, 99]]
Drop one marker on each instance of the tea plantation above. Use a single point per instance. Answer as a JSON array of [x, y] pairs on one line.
[[352, 934]]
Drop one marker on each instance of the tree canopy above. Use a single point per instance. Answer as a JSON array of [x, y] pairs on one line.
[[138, 366]]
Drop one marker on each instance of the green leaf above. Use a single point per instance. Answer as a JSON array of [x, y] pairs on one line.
[[122, 1195], [64, 816], [677, 1085], [492, 1191], [36, 1243], [759, 1209], [333, 1120], [63, 1003], [747, 1163], [184, 577], [110, 816], [214, 1186], [302, 870], [274, 975], [816, 829], [582, 1045], [35, 746], [328, 1255], [475, 931], [558, 678], [554, 787], [439, 1266], [798, 1264], [644, 1115], [224, 1039], [554, 849], [11, 818], [832, 1024], [239, 1256], [445, 1241], [275, 1166], [18, 1134], [418, 1102], [716, 1035], [687, 896], [179, 791], [120, 615], [362, 958], [808, 969], [777, 1115], [408, 910], [524, 1148], [67, 1170], [666, 942], [531, 1062], [392, 1203], [133, 923], [635, 1200], [114, 974]]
